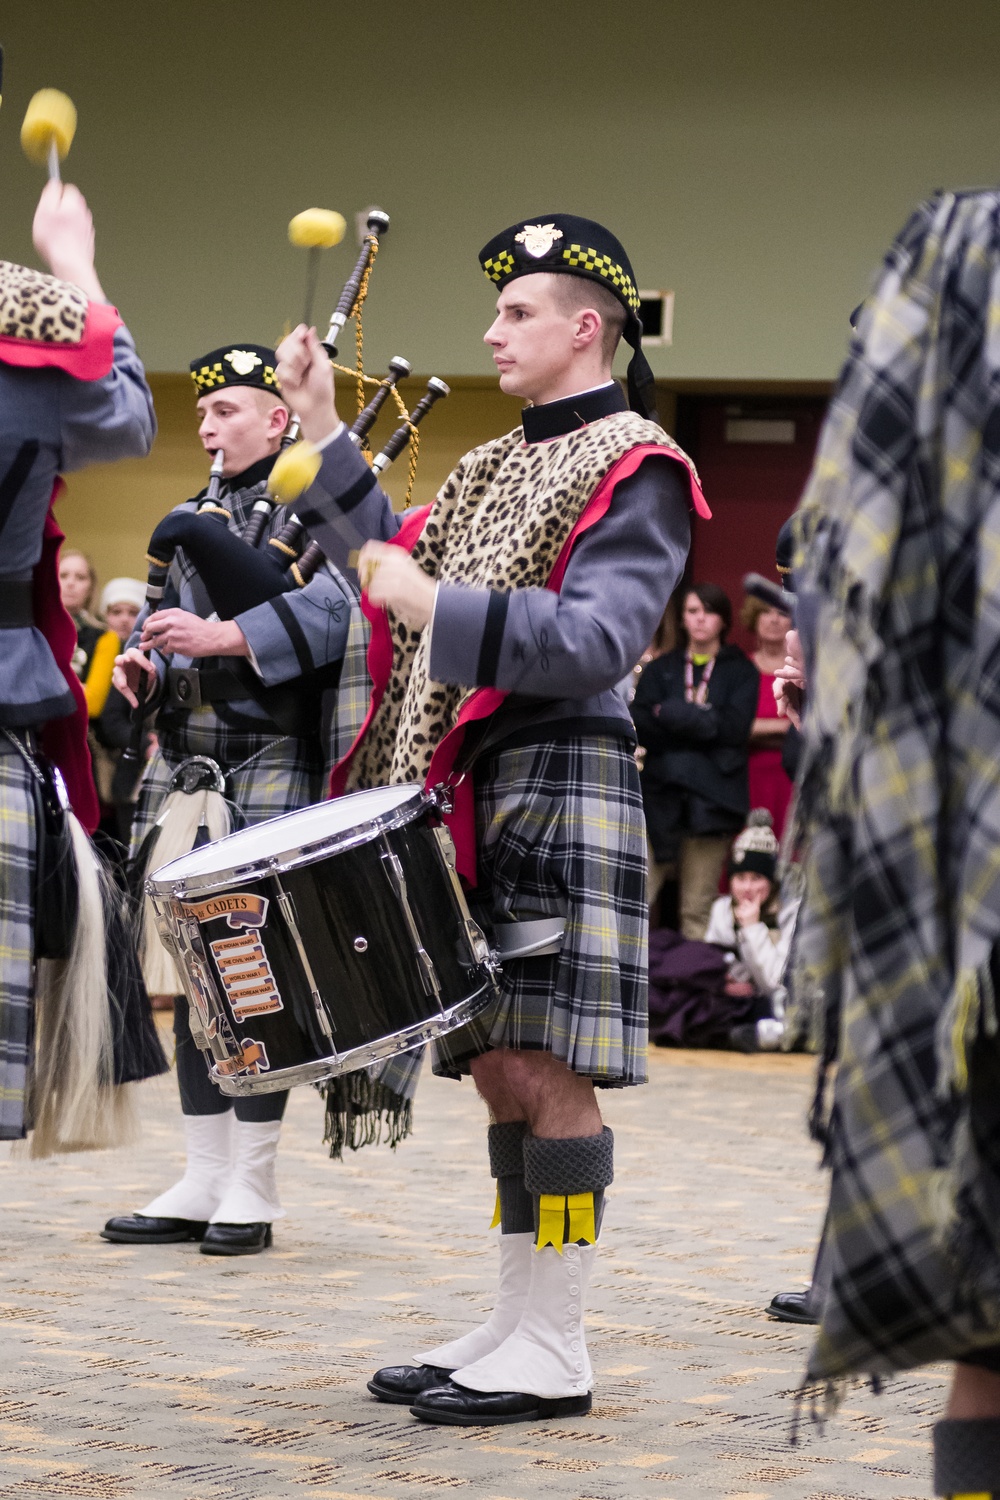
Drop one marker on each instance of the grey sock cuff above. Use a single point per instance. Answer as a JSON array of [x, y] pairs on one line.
[[506, 1144], [581, 1164], [967, 1456]]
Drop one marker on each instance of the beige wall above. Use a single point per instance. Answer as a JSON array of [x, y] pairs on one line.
[[754, 155], [110, 511]]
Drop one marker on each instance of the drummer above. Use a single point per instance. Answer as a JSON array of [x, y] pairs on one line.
[[492, 589], [227, 1197]]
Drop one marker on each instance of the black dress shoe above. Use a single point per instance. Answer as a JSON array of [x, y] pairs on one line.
[[235, 1239], [457, 1406], [792, 1307], [401, 1383], [140, 1229]]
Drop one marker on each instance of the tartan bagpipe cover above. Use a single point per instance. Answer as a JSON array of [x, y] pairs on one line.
[[898, 566]]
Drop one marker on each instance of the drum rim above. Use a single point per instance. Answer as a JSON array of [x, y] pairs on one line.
[[408, 811], [321, 1070]]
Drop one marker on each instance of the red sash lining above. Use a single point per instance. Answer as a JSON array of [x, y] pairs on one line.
[[485, 700], [63, 740]]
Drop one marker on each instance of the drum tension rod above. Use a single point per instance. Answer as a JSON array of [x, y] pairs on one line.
[[288, 912], [394, 870]]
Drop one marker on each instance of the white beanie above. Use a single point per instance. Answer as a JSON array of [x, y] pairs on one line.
[[123, 591]]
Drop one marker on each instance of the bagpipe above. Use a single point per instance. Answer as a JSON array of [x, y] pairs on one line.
[[237, 572]]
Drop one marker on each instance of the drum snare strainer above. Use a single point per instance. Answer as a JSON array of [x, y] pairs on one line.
[[324, 940]]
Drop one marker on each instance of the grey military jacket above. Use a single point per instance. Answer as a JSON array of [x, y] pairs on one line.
[[559, 656], [51, 424]]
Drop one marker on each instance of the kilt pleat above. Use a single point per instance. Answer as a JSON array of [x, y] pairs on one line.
[[283, 774], [17, 940], [560, 832]]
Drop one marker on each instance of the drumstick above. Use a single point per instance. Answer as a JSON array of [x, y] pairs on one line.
[[315, 229], [48, 129]]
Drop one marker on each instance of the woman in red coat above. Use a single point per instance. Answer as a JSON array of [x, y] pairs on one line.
[[770, 786]]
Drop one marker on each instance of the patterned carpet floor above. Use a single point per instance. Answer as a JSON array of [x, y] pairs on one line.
[[138, 1373]]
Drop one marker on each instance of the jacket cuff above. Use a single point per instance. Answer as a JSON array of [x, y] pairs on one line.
[[272, 654], [467, 634]]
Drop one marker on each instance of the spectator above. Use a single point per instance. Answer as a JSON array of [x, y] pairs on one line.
[[756, 934], [693, 710], [96, 647], [727, 990], [121, 601], [770, 785]]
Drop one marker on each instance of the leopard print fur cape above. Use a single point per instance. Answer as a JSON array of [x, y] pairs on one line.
[[499, 522], [40, 308]]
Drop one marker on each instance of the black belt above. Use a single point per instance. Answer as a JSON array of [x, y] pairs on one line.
[[15, 604], [190, 687]]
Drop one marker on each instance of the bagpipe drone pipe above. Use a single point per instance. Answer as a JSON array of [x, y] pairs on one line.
[[237, 573]]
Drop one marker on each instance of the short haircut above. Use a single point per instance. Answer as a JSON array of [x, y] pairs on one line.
[[573, 292], [752, 609], [265, 401], [713, 599]]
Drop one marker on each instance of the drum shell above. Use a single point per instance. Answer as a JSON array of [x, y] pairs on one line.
[[336, 922]]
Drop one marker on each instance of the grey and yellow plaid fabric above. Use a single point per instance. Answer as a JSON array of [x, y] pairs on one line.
[[17, 938], [898, 570], [564, 817], [267, 773]]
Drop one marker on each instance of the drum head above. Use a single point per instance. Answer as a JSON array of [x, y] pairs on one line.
[[293, 838]]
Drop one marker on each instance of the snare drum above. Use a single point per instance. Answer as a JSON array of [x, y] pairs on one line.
[[324, 940]]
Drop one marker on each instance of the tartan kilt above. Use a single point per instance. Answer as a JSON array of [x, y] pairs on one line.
[[560, 832], [17, 937], [283, 774]]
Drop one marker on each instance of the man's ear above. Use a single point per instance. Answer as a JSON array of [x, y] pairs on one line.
[[280, 418], [588, 327]]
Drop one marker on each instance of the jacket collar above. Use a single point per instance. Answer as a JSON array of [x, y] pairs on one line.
[[555, 418], [255, 474]]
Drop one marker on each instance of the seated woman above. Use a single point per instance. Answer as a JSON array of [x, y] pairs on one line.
[[756, 934], [726, 990]]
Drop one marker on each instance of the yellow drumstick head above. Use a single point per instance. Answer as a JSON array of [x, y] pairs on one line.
[[50, 118], [294, 471], [317, 229]]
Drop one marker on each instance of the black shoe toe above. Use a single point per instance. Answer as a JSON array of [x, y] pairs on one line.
[[403, 1383], [792, 1307], [142, 1229], [236, 1239], [457, 1406]]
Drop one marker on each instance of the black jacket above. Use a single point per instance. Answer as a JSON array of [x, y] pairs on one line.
[[695, 775]]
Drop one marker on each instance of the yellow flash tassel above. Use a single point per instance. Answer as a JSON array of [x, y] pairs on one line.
[[581, 1218], [496, 1212], [551, 1221]]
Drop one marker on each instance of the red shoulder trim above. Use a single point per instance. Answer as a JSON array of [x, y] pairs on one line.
[[486, 700], [379, 647], [90, 359], [64, 740]]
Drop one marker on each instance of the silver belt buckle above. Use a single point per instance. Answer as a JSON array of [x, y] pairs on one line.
[[185, 687]]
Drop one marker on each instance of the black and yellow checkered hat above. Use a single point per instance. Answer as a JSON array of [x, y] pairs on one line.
[[235, 364], [576, 247]]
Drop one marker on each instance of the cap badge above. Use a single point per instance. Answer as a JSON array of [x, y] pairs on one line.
[[244, 361], [538, 239]]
